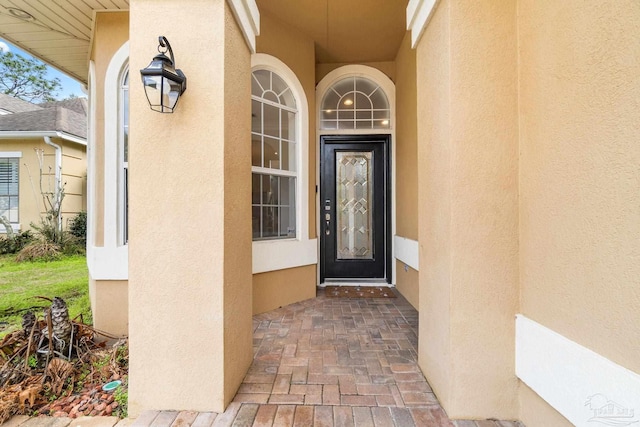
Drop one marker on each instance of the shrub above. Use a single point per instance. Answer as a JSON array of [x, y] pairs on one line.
[[78, 227], [12, 245], [73, 246], [49, 230]]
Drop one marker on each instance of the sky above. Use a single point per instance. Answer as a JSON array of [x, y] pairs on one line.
[[69, 86]]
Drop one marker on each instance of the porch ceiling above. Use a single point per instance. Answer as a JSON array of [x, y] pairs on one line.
[[58, 32], [345, 30]]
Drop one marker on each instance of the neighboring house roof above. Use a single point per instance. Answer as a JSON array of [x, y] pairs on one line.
[[68, 117], [16, 105], [79, 105]]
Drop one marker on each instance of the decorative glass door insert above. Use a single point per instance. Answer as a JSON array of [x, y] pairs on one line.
[[355, 208], [354, 175]]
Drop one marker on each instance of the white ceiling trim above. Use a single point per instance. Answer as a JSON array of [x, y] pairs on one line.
[[248, 18], [58, 32], [418, 14]]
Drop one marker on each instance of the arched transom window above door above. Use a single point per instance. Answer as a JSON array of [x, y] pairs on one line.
[[355, 103]]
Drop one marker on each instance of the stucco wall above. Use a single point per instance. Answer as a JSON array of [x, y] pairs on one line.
[[406, 163], [467, 128], [434, 200], [535, 412], [189, 281], [109, 305], [278, 288], [238, 337], [30, 202], [111, 31], [408, 283], [406, 142], [579, 176]]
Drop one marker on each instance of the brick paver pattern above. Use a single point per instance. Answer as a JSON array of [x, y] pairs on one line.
[[331, 362]]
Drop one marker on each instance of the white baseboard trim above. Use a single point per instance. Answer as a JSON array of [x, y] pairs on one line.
[[272, 255], [407, 251], [585, 387]]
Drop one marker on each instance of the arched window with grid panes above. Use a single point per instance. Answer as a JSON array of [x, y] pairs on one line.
[[274, 156], [355, 102], [123, 157]]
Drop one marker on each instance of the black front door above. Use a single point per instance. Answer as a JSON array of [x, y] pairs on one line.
[[355, 208]]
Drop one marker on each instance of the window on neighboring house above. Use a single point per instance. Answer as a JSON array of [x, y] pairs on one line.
[[273, 157], [9, 188], [123, 145]]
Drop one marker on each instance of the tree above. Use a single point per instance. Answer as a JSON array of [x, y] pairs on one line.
[[26, 79]]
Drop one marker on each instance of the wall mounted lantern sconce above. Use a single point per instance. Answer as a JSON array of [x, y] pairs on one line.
[[163, 84]]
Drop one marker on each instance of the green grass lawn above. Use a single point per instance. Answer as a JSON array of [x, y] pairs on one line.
[[21, 283]]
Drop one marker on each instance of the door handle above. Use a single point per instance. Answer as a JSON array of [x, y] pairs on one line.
[[327, 217], [327, 221]]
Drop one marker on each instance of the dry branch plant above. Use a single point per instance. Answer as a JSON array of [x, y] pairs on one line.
[[57, 366]]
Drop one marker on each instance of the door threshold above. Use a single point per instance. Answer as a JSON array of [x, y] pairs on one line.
[[356, 282]]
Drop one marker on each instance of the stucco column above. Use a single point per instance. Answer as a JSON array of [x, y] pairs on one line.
[[468, 206], [190, 225]]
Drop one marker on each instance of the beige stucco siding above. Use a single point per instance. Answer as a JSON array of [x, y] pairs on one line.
[[109, 306], [189, 219], [111, 31], [238, 337], [579, 176], [278, 288], [297, 51], [406, 163], [407, 283], [467, 128], [434, 199], [406, 142], [484, 203]]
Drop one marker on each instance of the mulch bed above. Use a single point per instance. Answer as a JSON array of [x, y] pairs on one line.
[[359, 292], [45, 372], [92, 401]]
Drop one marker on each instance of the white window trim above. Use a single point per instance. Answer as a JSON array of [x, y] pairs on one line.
[[280, 254], [110, 261], [13, 155], [121, 187], [10, 154], [389, 88]]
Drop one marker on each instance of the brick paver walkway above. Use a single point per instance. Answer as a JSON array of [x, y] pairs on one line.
[[330, 362]]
